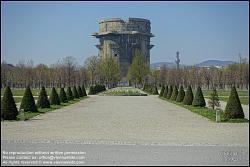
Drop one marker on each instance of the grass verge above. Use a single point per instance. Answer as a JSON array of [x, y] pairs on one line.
[[207, 112]]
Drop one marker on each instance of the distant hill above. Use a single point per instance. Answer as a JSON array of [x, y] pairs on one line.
[[215, 63], [207, 63]]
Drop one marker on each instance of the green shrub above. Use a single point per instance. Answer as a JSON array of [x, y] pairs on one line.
[[28, 102], [165, 94], [162, 91], [63, 96], [174, 94], [43, 101], [79, 90], [170, 92], [214, 99], [199, 98], [54, 98], [233, 108], [8, 105], [155, 91], [69, 94], [75, 93], [96, 89], [84, 90], [181, 95], [188, 99]]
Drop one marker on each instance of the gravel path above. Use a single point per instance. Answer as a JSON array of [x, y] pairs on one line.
[[127, 119]]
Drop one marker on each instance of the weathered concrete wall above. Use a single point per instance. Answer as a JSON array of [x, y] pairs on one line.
[[120, 39]]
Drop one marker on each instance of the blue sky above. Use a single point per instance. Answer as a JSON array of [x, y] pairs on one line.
[[48, 31]]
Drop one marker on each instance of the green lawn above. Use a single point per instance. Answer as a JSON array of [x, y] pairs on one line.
[[224, 95], [206, 112], [35, 92]]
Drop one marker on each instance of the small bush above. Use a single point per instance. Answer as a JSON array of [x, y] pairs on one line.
[[28, 102], [214, 99], [43, 101], [79, 90], [54, 98], [188, 99], [181, 95], [75, 93], [199, 98], [170, 92], [96, 89], [84, 90], [174, 94], [63, 96], [233, 108], [165, 94], [69, 94], [162, 91], [8, 105]]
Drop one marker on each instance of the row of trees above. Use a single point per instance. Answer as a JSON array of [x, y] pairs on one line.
[[233, 108], [9, 110], [212, 77]]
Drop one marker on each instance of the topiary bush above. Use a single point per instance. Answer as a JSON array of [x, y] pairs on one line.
[[162, 91], [199, 98], [63, 96], [54, 98], [96, 89], [28, 102], [170, 90], [165, 94], [75, 93], [43, 101], [233, 108], [69, 94], [79, 90], [181, 95], [84, 90], [188, 99], [155, 91], [8, 105], [174, 94]]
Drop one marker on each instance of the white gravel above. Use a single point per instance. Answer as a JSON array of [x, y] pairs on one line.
[[124, 118]]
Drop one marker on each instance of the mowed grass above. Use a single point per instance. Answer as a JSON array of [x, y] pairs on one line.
[[29, 115], [224, 95], [35, 92], [207, 112]]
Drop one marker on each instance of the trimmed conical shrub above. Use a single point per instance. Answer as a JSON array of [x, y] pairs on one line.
[[199, 98], [63, 96], [165, 94], [75, 93], [84, 90], [8, 105], [91, 90], [155, 91], [28, 102], [233, 108], [69, 94], [162, 91], [170, 90], [54, 98], [181, 95], [79, 90], [174, 94], [188, 99], [43, 101]]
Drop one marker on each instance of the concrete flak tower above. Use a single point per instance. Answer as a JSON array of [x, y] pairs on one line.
[[122, 39]]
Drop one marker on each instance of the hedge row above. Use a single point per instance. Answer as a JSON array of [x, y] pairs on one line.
[[96, 89], [9, 110], [151, 89]]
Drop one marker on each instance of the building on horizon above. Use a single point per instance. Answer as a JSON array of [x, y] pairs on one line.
[[122, 39]]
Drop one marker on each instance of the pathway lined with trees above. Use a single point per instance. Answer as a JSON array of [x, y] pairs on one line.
[[126, 118]]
